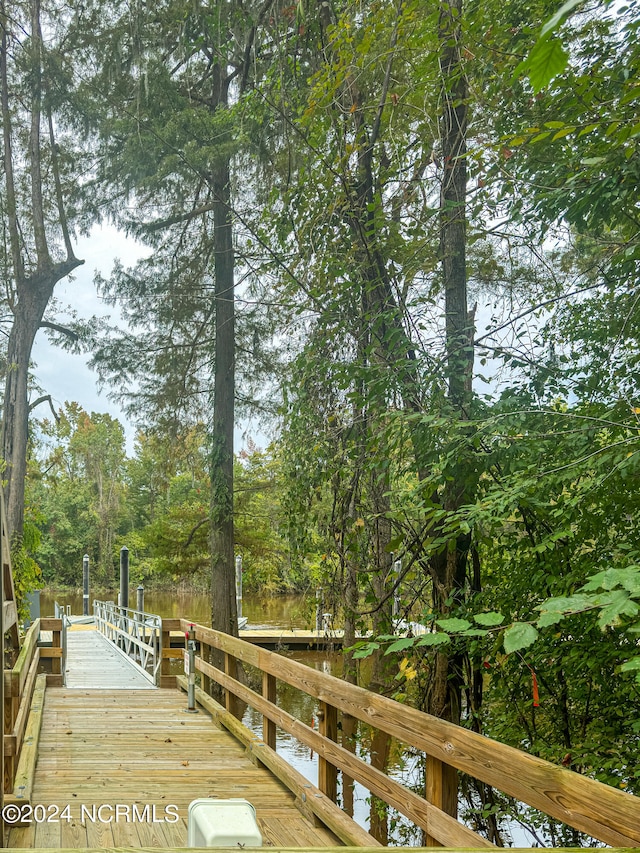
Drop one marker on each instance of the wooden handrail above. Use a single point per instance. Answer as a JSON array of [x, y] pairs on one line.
[[599, 810], [19, 686], [419, 811]]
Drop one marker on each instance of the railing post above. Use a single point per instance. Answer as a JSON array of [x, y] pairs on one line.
[[230, 669], [205, 654], [327, 772], [11, 708], [441, 790], [124, 576], [85, 585], [270, 693], [166, 679], [191, 682], [349, 732], [56, 643]]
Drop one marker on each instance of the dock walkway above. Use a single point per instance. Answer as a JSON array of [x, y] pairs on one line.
[[94, 662], [118, 749]]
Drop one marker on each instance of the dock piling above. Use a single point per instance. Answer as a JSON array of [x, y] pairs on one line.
[[85, 585], [124, 576]]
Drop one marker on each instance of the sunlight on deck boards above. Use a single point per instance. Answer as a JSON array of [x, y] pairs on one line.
[[94, 662], [102, 747]]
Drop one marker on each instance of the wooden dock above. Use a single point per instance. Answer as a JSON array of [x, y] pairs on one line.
[[104, 752], [280, 639], [102, 767]]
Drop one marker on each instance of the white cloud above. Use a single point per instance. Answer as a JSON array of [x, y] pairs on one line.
[[63, 375]]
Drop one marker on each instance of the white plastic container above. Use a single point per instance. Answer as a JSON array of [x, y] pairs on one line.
[[222, 823]]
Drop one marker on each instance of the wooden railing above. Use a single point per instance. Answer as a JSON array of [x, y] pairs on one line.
[[23, 696], [606, 814]]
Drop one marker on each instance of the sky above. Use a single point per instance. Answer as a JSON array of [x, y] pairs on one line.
[[64, 375]]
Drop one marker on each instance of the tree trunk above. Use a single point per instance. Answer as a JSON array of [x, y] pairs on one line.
[[16, 415], [384, 666], [448, 569], [224, 615], [32, 289], [33, 295], [224, 612]]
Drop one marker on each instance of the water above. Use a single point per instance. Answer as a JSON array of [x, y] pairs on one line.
[[284, 611]]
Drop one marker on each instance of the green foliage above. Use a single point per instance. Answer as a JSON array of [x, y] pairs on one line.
[[27, 574], [260, 525], [79, 495]]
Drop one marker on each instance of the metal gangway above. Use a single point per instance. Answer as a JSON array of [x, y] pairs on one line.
[[134, 633]]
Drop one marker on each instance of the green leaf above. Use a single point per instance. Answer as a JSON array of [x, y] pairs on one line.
[[628, 578], [631, 665], [438, 639], [547, 59], [399, 645], [490, 619], [562, 133], [562, 13], [619, 604], [453, 625], [520, 635], [550, 617], [366, 651]]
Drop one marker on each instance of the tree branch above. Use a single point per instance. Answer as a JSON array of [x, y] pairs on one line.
[[55, 327], [193, 532], [46, 398]]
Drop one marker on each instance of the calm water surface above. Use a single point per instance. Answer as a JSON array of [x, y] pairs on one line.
[[285, 611]]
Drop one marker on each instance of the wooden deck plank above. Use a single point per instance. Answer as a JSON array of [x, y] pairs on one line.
[[73, 834], [47, 834], [126, 748], [99, 835], [93, 662]]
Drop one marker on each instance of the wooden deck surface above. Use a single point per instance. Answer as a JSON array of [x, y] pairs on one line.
[[124, 748], [279, 638], [94, 662]]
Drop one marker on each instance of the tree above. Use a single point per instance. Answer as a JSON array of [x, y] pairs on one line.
[[80, 495], [195, 94], [36, 221]]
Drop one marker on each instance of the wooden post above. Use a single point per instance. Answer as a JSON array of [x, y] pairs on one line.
[[269, 693], [230, 669], [166, 678], [441, 790], [11, 708], [56, 643], [349, 732], [205, 654], [327, 772]]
